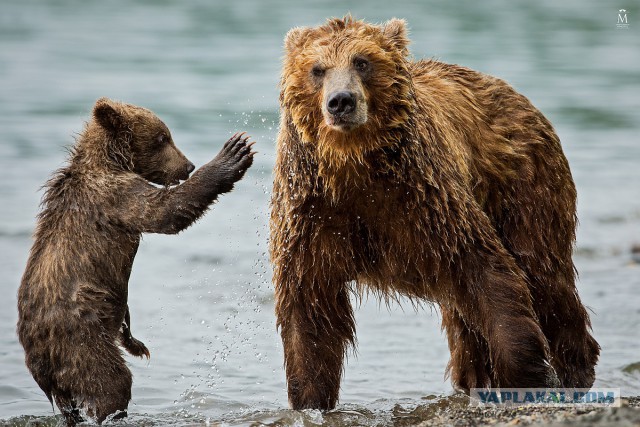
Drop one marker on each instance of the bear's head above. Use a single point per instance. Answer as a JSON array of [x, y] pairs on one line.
[[346, 85], [138, 141]]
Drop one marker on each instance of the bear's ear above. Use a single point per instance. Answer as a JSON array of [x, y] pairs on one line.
[[108, 116], [295, 38], [395, 30]]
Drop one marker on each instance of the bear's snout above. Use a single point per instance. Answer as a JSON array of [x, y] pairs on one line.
[[341, 103], [186, 171], [190, 167]]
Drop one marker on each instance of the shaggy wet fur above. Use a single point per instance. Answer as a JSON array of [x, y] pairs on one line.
[[455, 191], [72, 301]]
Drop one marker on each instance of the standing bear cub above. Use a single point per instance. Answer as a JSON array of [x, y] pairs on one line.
[[72, 301], [428, 180]]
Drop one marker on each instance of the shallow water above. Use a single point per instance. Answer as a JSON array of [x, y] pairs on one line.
[[202, 301]]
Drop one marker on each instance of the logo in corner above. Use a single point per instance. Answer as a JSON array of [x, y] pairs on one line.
[[623, 22]]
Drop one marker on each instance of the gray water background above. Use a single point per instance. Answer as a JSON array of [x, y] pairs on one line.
[[202, 301]]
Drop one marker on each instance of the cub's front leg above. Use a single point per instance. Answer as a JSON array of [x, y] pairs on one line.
[[148, 209], [133, 346]]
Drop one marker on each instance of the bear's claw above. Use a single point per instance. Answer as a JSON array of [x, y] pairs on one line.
[[234, 159], [135, 347]]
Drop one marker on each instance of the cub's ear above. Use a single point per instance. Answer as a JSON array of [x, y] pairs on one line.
[[107, 115], [395, 30], [295, 38]]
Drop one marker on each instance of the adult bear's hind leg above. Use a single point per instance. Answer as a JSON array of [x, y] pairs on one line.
[[547, 263], [538, 228]]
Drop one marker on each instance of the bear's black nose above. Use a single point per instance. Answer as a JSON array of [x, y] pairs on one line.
[[341, 103], [190, 167]]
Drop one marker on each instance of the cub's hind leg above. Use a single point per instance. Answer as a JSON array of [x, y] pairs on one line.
[[92, 374]]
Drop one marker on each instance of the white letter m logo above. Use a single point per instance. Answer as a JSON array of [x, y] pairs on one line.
[[622, 17]]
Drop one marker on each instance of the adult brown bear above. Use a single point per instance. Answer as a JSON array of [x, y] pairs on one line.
[[72, 302], [429, 180]]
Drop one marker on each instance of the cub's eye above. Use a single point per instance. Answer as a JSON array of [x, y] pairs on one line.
[[317, 71], [162, 138], [361, 64]]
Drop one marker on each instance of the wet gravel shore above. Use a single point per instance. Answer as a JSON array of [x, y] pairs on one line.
[[458, 414]]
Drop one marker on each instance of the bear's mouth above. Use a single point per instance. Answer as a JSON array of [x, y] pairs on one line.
[[341, 123], [177, 181]]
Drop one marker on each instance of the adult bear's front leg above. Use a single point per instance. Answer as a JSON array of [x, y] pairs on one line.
[[491, 295], [469, 366], [317, 327]]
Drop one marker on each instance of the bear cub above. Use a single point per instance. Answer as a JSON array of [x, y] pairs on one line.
[[72, 301]]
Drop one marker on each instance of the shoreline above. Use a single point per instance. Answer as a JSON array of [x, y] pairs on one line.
[[439, 411], [458, 413]]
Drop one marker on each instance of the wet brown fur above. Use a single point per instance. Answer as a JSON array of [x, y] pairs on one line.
[[72, 301], [456, 191]]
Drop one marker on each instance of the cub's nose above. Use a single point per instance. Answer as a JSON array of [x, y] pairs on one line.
[[341, 103], [190, 167]]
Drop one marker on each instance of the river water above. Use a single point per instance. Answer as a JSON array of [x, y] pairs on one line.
[[202, 301]]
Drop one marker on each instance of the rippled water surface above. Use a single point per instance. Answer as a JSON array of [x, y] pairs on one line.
[[202, 301]]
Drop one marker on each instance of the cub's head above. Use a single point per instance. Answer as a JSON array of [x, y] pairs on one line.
[[138, 141], [346, 84]]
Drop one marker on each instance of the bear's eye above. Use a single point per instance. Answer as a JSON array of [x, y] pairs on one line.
[[361, 64], [317, 71], [162, 139]]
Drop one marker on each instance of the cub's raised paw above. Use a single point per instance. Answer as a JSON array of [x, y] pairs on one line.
[[234, 159]]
